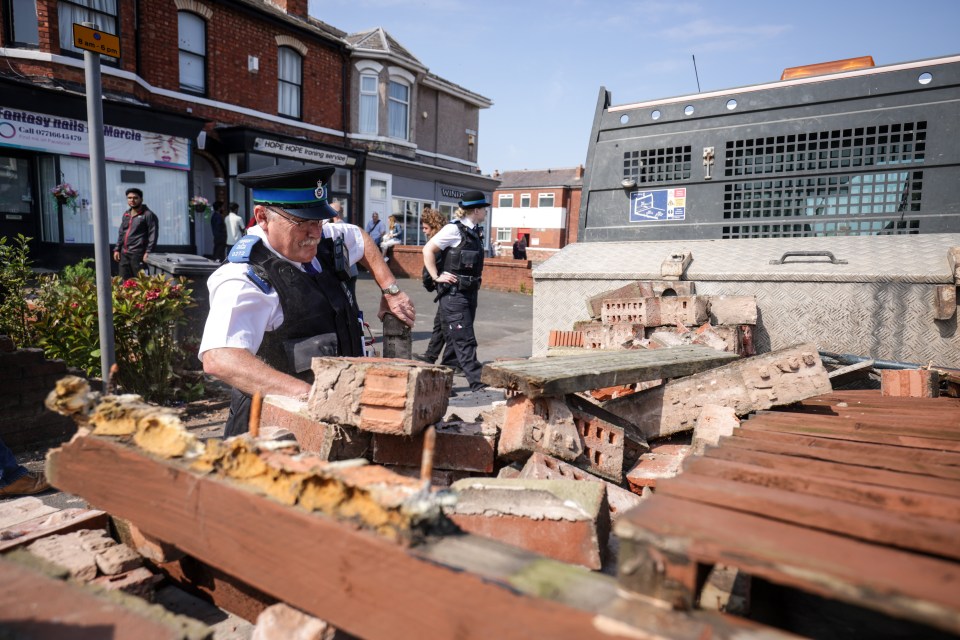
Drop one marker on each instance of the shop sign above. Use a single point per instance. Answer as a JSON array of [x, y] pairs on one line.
[[450, 192], [68, 137], [310, 154]]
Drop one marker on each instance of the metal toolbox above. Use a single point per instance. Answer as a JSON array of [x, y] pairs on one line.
[[874, 296]]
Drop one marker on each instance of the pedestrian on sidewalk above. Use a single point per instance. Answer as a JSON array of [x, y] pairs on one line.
[[218, 227], [137, 237], [460, 248], [431, 221]]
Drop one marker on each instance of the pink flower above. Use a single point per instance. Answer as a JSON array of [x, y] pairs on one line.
[[139, 305], [153, 294], [129, 284], [74, 305]]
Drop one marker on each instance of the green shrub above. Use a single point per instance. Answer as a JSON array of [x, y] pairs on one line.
[[15, 281], [146, 312]]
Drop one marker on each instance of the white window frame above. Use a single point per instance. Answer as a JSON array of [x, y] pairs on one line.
[[190, 51], [293, 56], [524, 200], [79, 11], [504, 234], [398, 110], [368, 120], [541, 197], [505, 201]]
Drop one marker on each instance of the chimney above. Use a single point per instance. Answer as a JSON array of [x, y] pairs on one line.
[[496, 173], [578, 174], [293, 8]]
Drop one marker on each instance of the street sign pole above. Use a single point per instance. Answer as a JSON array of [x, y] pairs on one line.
[[98, 182]]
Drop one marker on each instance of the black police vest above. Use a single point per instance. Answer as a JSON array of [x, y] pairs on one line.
[[466, 257], [313, 305]]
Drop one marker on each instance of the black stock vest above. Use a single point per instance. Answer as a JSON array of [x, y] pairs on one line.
[[313, 304], [466, 257]]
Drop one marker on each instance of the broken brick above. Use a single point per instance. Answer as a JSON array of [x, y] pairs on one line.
[[328, 441], [282, 622], [118, 558], [561, 519], [611, 336], [459, 446], [542, 424], [67, 551], [909, 383], [653, 312], [713, 422], [380, 395], [565, 338], [438, 477], [543, 467], [140, 582], [732, 310], [662, 461], [640, 289], [603, 446]]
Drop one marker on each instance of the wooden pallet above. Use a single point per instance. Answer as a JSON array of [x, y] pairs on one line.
[[849, 496]]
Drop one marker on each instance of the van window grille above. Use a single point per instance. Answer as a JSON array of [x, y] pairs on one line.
[[886, 144], [890, 193], [822, 228], [667, 164]]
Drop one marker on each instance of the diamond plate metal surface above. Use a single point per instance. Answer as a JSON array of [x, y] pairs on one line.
[[919, 258], [886, 321], [882, 305]]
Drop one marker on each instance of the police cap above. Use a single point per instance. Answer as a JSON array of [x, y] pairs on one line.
[[302, 192], [474, 200]]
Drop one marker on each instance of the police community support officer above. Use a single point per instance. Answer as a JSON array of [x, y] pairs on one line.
[[460, 245], [280, 298]]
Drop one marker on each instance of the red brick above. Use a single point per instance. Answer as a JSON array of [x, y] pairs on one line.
[[662, 461], [329, 442], [560, 519], [460, 446], [542, 467], [909, 383], [282, 622], [543, 424], [653, 312], [603, 445], [140, 582], [380, 395], [733, 310]]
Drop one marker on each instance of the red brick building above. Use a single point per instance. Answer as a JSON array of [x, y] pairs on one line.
[[541, 206], [202, 91]]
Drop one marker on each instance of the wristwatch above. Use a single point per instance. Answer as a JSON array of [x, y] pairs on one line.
[[392, 290]]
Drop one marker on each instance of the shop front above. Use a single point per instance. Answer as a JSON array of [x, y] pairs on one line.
[[404, 189], [248, 149], [45, 188]]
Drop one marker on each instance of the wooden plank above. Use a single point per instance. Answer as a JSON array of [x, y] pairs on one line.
[[13, 512], [833, 470], [901, 584], [456, 586], [879, 422], [840, 429], [64, 521], [556, 376], [34, 605], [946, 418], [868, 455], [892, 499]]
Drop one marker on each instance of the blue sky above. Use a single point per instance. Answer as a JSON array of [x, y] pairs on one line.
[[542, 63]]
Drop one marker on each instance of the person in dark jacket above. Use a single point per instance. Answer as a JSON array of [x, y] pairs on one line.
[[281, 299], [218, 226], [137, 237], [460, 247]]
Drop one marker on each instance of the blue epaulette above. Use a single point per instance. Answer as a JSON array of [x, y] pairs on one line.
[[241, 253], [241, 250]]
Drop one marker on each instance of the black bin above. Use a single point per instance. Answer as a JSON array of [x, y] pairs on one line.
[[196, 269]]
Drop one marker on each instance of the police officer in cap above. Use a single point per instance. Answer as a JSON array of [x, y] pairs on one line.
[[280, 298], [460, 247]]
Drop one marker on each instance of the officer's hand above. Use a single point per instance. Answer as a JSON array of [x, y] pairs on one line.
[[116, 256], [399, 305], [447, 277]]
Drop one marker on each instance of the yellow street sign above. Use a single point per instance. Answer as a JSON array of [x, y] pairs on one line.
[[96, 41]]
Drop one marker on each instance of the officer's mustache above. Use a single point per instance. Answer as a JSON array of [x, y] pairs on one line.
[[309, 242]]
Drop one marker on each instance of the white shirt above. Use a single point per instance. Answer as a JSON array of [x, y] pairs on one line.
[[234, 228], [449, 235], [240, 312]]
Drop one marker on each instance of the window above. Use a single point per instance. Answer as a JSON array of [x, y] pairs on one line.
[[506, 200], [369, 103], [545, 200], [23, 29], [378, 189], [102, 13], [408, 214], [289, 80], [447, 210], [193, 52], [524, 199], [399, 110], [504, 234]]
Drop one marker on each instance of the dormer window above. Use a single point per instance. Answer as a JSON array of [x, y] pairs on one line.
[[398, 109], [369, 103]]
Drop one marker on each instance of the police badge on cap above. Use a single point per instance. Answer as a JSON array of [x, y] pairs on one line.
[[302, 192]]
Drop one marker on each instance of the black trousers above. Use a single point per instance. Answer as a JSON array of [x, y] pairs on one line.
[[437, 343], [131, 264], [238, 420], [458, 309]]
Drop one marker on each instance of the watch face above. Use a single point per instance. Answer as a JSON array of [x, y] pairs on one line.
[[392, 290]]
